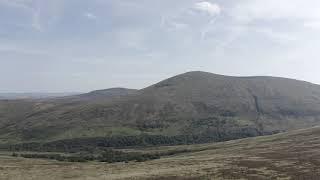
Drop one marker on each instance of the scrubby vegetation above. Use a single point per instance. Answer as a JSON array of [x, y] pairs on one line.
[[292, 155], [103, 143], [109, 156], [106, 149], [58, 157]]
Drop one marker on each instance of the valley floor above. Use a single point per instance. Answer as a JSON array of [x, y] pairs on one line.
[[293, 155]]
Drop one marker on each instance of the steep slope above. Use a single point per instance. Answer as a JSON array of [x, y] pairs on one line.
[[268, 102], [211, 106]]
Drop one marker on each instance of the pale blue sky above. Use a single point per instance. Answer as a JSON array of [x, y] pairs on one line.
[[83, 45]]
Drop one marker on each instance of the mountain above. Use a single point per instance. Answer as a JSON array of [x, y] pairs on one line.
[[199, 104]]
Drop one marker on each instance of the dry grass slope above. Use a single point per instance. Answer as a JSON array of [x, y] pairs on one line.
[[292, 155]]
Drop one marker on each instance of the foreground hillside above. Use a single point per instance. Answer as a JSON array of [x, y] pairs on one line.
[[292, 155], [203, 105]]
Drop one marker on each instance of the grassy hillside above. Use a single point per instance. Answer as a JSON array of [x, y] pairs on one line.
[[14, 114], [292, 155], [196, 103]]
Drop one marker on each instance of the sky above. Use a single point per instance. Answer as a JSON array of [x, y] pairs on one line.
[[84, 45]]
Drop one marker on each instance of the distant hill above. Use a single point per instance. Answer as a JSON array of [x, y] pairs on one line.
[[12, 96], [208, 106], [102, 94]]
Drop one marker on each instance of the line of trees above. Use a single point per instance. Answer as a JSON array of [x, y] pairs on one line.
[[57, 157], [92, 144], [109, 156]]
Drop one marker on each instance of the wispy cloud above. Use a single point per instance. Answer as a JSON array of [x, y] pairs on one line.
[[277, 21], [250, 10], [213, 10], [207, 7], [200, 17], [280, 37], [15, 3], [312, 24], [38, 14], [20, 49], [90, 16], [36, 20]]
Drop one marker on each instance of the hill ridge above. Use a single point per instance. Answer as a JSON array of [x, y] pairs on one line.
[[194, 103]]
